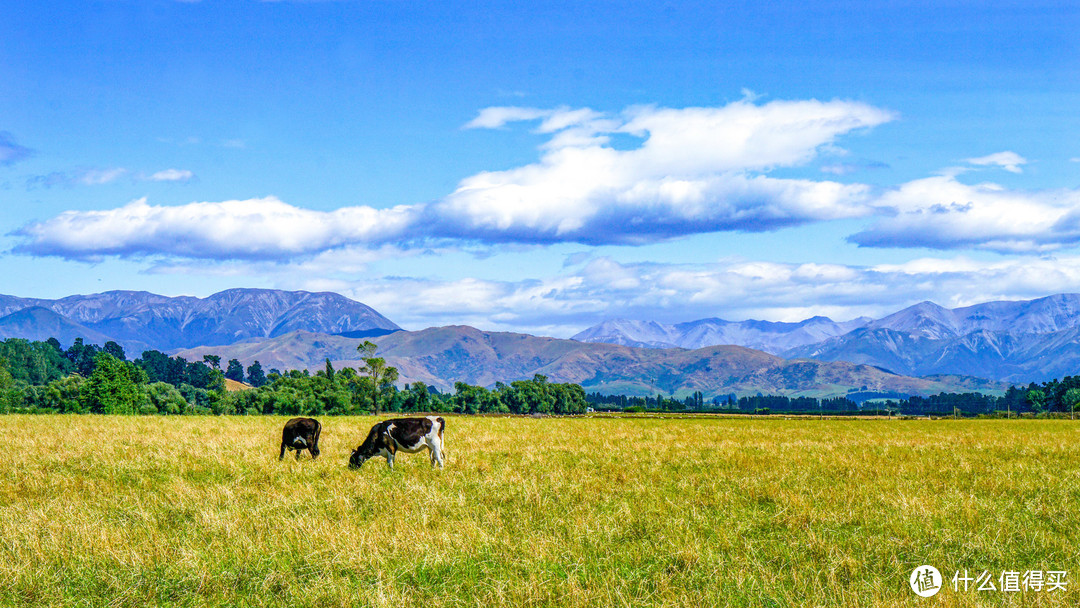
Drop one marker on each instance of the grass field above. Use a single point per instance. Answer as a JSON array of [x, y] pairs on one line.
[[152, 511]]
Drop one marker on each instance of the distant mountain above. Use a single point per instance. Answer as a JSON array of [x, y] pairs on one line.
[[37, 323], [1032, 340], [1041, 316], [440, 356], [1023, 341], [768, 336], [140, 320]]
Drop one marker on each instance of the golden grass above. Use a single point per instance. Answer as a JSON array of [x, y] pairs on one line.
[[153, 511]]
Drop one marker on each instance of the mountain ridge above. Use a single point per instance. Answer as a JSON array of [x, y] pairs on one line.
[[1007, 340], [139, 320], [440, 356]]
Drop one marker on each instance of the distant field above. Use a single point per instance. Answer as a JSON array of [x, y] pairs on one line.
[[149, 511]]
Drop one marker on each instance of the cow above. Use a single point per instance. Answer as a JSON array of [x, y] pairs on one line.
[[301, 434], [411, 435]]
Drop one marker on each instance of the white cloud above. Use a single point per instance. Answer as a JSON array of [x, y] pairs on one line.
[[239, 229], [942, 213], [171, 175], [495, 117], [97, 177], [1010, 161], [694, 170]]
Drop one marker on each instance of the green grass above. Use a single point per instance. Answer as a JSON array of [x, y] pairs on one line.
[[148, 511]]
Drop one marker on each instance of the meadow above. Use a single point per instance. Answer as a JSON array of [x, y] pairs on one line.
[[708, 511]]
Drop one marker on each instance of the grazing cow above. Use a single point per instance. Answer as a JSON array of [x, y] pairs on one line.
[[389, 437], [301, 434]]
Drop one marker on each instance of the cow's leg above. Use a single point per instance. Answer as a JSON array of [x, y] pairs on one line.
[[298, 453], [390, 460], [436, 452], [282, 456]]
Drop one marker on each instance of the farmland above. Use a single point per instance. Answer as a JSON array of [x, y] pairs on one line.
[[624, 511]]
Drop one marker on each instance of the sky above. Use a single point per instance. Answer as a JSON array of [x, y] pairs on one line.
[[544, 168]]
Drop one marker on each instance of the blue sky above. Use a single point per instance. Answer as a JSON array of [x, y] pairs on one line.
[[544, 169]]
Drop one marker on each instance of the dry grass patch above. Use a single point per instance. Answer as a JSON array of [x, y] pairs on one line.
[[138, 511]]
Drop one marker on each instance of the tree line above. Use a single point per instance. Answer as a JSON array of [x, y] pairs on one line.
[[86, 378]]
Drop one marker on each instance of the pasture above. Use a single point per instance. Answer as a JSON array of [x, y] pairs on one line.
[[198, 511]]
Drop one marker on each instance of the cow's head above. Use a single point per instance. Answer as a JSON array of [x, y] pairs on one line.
[[358, 458]]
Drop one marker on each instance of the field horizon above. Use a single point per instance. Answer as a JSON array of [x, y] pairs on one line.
[[613, 511]]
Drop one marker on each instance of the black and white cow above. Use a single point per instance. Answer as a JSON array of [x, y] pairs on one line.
[[301, 434], [389, 437]]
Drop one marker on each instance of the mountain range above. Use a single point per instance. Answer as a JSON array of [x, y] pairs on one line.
[[440, 356], [923, 348], [1013, 341], [769, 336], [139, 320]]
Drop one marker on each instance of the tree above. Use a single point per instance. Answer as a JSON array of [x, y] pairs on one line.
[[82, 356], [113, 387], [1036, 400], [382, 376], [1071, 400], [213, 361], [115, 350], [235, 371], [165, 398], [255, 375]]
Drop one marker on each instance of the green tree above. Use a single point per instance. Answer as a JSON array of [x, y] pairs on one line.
[[214, 361], [1036, 399], [82, 356], [7, 387], [235, 371], [67, 395], [113, 387], [1071, 401], [115, 350], [382, 376], [165, 398], [255, 375]]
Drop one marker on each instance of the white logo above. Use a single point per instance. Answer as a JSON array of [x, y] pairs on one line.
[[925, 581]]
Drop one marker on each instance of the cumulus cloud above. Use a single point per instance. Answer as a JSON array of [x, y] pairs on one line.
[[1010, 161], [942, 213], [10, 151], [239, 229], [693, 170]]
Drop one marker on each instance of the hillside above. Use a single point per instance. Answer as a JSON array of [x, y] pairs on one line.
[[440, 356]]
